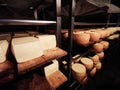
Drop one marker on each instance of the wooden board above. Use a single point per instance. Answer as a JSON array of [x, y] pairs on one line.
[[56, 79], [6, 68], [39, 82], [6, 79], [48, 56]]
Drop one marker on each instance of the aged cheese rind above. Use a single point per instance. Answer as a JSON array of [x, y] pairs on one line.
[[49, 69], [26, 48], [47, 41], [3, 50]]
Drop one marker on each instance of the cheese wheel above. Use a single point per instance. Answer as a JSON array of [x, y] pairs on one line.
[[81, 38], [105, 44], [102, 33], [26, 48], [3, 50], [84, 81], [93, 72], [98, 66], [112, 30], [78, 71], [100, 55], [88, 63], [114, 36], [65, 35], [98, 47], [47, 41], [94, 35], [95, 59]]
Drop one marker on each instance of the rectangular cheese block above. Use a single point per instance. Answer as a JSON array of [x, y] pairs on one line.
[[51, 68], [26, 48], [47, 41], [3, 50]]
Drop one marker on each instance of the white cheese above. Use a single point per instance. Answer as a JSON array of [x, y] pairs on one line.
[[26, 48], [47, 41], [3, 50], [51, 68]]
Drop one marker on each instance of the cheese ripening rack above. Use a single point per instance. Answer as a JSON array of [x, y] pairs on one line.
[[50, 54], [54, 53], [72, 24]]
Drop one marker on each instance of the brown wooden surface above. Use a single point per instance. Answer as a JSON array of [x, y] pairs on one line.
[[6, 79], [33, 82], [56, 79], [48, 56], [6, 67], [40, 83]]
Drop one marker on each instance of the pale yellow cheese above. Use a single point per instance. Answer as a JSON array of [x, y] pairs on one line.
[[49, 69], [47, 41], [3, 50], [26, 48], [78, 71]]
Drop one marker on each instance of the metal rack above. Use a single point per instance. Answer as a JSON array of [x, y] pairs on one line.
[[73, 23], [36, 22]]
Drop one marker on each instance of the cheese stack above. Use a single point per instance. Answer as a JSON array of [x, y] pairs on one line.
[[51, 68], [47, 41], [26, 48], [3, 50]]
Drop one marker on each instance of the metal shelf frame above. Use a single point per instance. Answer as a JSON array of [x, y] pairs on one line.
[[36, 22], [71, 24]]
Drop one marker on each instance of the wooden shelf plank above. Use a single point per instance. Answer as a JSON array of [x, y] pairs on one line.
[[6, 67], [56, 79], [48, 56], [6, 72], [6, 79], [91, 24], [41, 82]]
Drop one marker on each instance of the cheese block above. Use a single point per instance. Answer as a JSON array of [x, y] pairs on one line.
[[47, 41], [51, 68], [26, 48], [3, 50]]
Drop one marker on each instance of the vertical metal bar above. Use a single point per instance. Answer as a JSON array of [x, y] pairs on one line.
[[118, 22], [58, 22], [108, 18], [70, 30], [36, 18]]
